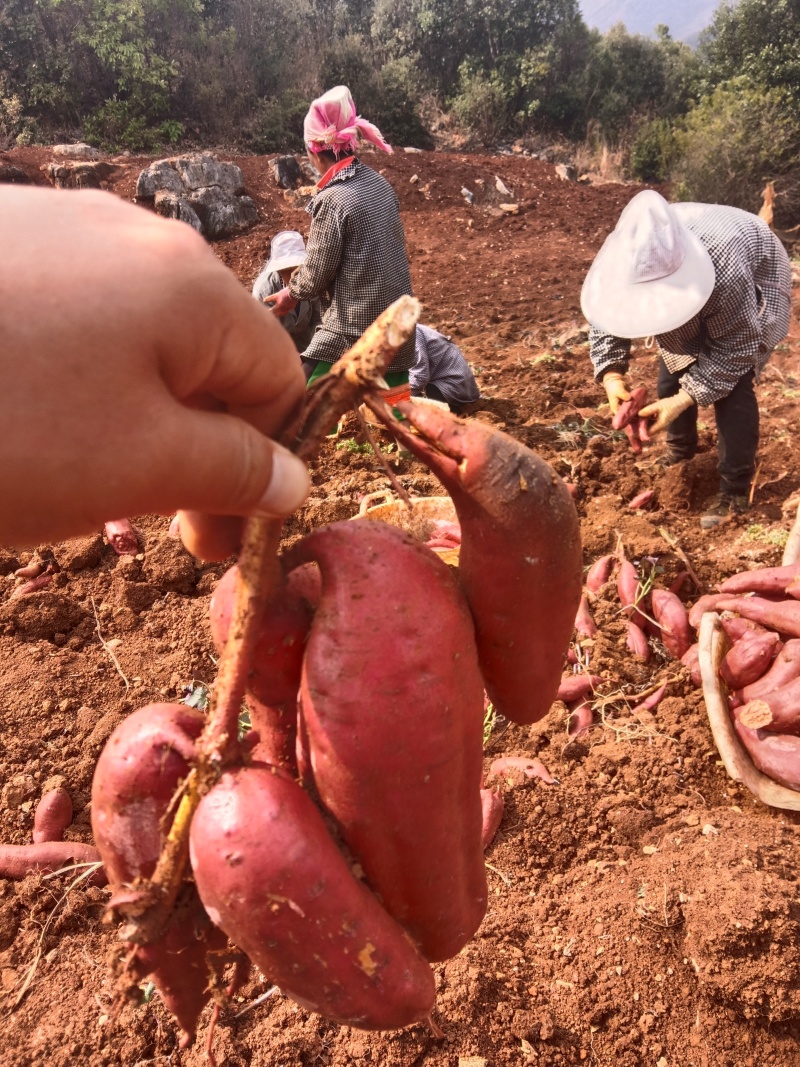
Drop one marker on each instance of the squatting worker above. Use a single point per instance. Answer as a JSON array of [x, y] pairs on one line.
[[287, 253], [440, 371], [356, 259], [713, 285]]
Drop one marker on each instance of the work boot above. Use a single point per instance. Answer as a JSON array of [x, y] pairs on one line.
[[721, 508], [670, 458]]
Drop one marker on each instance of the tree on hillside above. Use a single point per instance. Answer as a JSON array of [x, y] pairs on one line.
[[758, 39]]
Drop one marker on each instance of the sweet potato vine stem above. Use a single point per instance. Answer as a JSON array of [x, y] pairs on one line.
[[357, 374], [714, 644]]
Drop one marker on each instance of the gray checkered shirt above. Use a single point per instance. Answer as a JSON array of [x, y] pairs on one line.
[[356, 259], [743, 320]]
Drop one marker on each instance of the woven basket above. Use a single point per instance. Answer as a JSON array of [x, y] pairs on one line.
[[418, 520]]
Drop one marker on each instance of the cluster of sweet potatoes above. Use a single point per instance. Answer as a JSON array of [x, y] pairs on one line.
[[760, 613], [343, 853]]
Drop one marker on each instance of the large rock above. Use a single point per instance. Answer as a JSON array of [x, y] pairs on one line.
[[75, 151], [201, 190], [78, 175], [172, 206], [287, 171], [13, 175], [221, 214]]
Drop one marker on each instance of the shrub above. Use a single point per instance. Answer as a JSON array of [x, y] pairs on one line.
[[276, 124], [652, 151], [482, 104]]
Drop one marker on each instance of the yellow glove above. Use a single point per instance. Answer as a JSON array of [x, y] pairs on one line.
[[616, 389], [666, 411]]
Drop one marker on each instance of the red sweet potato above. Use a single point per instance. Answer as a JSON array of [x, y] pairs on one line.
[[122, 537], [784, 669], [636, 641], [581, 717], [691, 660], [32, 585], [628, 591], [749, 658], [520, 561], [577, 686], [783, 616], [274, 680], [271, 877], [651, 702], [599, 573], [629, 409], [53, 815], [584, 623], [736, 627], [673, 620], [760, 580], [705, 603], [492, 807], [136, 777], [392, 706], [642, 500], [530, 766], [777, 712], [17, 861], [776, 755]]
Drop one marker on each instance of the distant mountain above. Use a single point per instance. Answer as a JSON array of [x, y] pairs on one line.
[[685, 18]]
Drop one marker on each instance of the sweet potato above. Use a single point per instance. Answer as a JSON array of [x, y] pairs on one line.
[[776, 755], [584, 623], [136, 777], [651, 702], [577, 686], [636, 641], [777, 712], [274, 679], [392, 706], [271, 877], [628, 592], [17, 861], [599, 573], [530, 766], [760, 580], [702, 605], [736, 627], [673, 620], [581, 717], [629, 409], [691, 660], [492, 807], [642, 500], [122, 537], [520, 561], [749, 658], [53, 815], [783, 616], [784, 669]]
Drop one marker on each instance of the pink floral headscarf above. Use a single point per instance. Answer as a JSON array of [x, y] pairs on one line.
[[332, 125]]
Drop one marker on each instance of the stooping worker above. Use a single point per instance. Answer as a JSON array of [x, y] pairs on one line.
[[356, 258], [287, 253], [713, 284], [181, 416], [440, 371]]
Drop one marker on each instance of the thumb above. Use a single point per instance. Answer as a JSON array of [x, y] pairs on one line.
[[218, 464]]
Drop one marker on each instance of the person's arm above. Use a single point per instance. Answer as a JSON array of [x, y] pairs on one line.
[[324, 251], [138, 375], [732, 340], [608, 353]]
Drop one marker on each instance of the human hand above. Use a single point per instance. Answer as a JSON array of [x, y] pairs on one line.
[[137, 375], [616, 389], [281, 302], [666, 410]]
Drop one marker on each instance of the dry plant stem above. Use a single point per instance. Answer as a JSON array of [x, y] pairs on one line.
[[714, 644], [355, 374], [681, 556]]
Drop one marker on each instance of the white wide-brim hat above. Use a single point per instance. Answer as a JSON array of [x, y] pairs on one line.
[[652, 274], [287, 250]]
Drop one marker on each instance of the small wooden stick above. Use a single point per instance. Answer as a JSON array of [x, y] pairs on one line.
[[714, 644], [681, 556]]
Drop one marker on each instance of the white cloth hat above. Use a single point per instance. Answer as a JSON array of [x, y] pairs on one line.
[[651, 275], [287, 250]]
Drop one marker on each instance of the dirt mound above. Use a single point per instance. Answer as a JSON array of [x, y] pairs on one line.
[[643, 909]]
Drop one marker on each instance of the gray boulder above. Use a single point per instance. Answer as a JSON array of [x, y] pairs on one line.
[[221, 214], [287, 171], [159, 175], [201, 190], [75, 151], [202, 170], [172, 206]]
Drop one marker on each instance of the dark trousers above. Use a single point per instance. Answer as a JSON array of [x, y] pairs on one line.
[[737, 430]]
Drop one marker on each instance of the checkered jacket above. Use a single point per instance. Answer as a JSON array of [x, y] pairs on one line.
[[440, 362], [743, 320], [356, 261]]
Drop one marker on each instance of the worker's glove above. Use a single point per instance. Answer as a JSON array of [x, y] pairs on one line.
[[666, 411], [281, 302], [616, 389]]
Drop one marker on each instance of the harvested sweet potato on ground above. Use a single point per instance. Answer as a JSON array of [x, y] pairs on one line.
[[270, 875], [520, 562], [673, 620], [784, 669], [391, 710], [776, 755], [749, 658], [53, 815], [17, 861]]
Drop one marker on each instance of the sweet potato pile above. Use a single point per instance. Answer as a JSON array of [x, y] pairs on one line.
[[341, 850]]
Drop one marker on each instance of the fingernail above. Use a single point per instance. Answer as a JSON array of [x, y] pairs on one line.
[[288, 487]]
